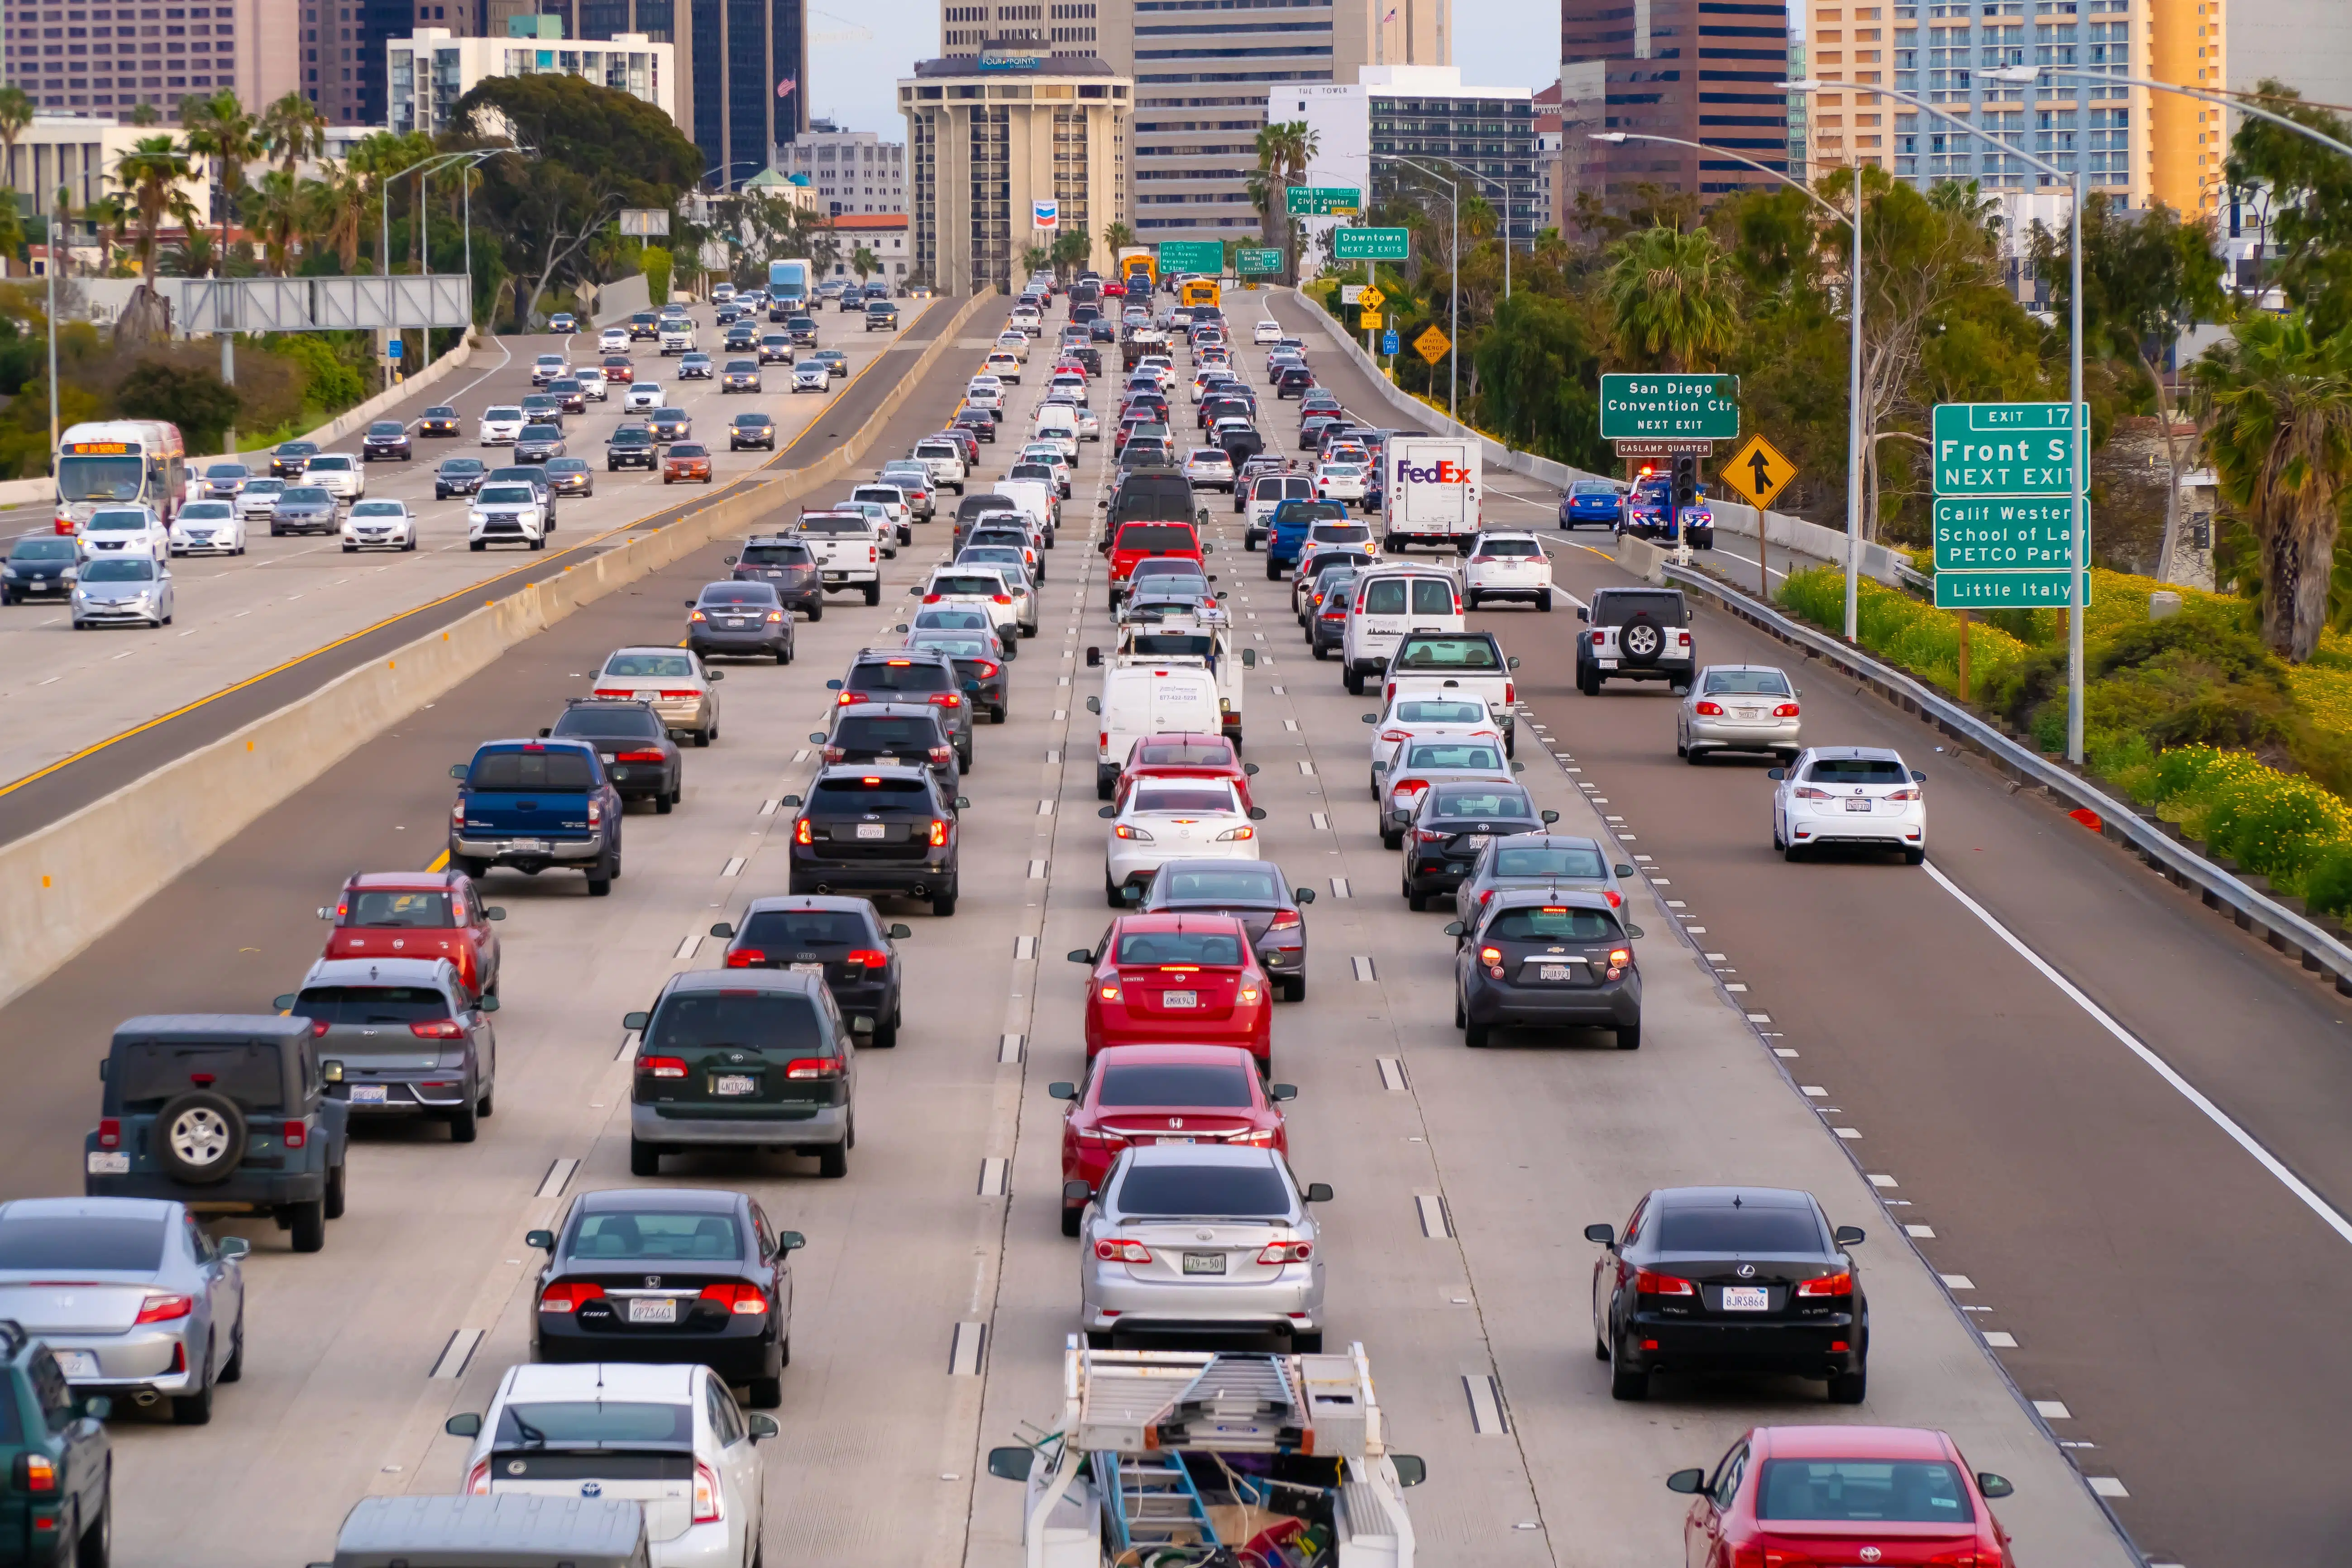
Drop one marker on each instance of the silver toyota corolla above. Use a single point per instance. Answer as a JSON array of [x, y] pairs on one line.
[[130, 1295], [1739, 707]]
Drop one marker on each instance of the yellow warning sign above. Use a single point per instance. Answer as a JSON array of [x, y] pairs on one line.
[[1757, 472], [1432, 345], [1370, 298], [1369, 321]]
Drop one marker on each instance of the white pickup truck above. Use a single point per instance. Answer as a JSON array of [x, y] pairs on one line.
[[847, 549], [1111, 1482], [1457, 663], [677, 336]]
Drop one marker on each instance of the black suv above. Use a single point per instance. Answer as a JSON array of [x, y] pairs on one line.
[[911, 675], [874, 829], [228, 1112], [892, 732], [59, 1504], [640, 758], [844, 937], [1292, 381], [632, 445], [788, 565]]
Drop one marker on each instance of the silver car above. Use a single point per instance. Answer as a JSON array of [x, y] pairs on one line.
[[1419, 764], [811, 375], [672, 681], [1739, 707], [130, 1296], [122, 590], [304, 509], [1023, 590], [259, 498], [1195, 1238], [401, 1038]]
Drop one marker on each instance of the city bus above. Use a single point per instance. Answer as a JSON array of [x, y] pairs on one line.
[[1197, 291], [119, 462], [788, 290]]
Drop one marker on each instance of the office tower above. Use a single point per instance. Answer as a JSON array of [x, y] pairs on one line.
[[1702, 70], [103, 60], [852, 171]]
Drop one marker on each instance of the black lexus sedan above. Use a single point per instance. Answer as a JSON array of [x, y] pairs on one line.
[[457, 477], [1708, 1280], [289, 458], [845, 937], [386, 440], [670, 1275]]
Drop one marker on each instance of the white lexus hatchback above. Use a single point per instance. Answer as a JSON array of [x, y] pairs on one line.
[[1859, 796], [1165, 819]]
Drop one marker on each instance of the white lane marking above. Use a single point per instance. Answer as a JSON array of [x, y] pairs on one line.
[[1847, 1131], [734, 867], [965, 1352], [1920, 1232], [1957, 1282], [1008, 1049], [1340, 887], [1363, 967], [1023, 949], [1759, 1018], [1053, 758], [768, 808], [456, 1354], [1487, 1414], [2000, 1339], [1321, 822], [1717, 958], [1276, 690], [1782, 1051], [685, 949], [1290, 724], [1431, 1208], [558, 1175], [802, 755], [1037, 869], [1733, 985], [1306, 768], [1060, 714], [1392, 1075], [1877, 1179], [2287, 1178], [993, 1172], [2052, 1410], [1811, 1091]]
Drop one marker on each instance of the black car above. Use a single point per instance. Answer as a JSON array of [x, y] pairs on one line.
[[802, 331], [640, 758], [1730, 1279], [1546, 958], [910, 675], [457, 477], [980, 422], [543, 408], [1254, 892], [643, 327], [787, 566], [979, 660], [858, 954], [632, 446], [537, 443], [571, 477], [720, 1294], [39, 564], [569, 394], [386, 438], [891, 733], [1452, 820], [877, 829], [288, 459], [752, 429], [441, 420], [740, 338], [744, 620], [1292, 381]]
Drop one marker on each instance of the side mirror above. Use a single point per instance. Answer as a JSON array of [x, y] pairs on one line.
[[836, 685], [901, 931], [489, 1004], [1081, 955], [1249, 658], [1371, 718], [494, 913], [1304, 895], [690, 604], [1131, 893], [1220, 595], [816, 736], [1686, 1481], [790, 1241], [722, 930], [1635, 933], [1621, 870], [1249, 770], [1318, 1192], [1062, 1090], [899, 627], [326, 913], [912, 588], [1918, 777], [1993, 1486], [1776, 772], [233, 1246], [459, 770], [1011, 1464], [635, 1020], [762, 1427], [963, 803], [1093, 704], [1584, 614], [790, 800], [331, 1070], [714, 675], [1094, 658], [1107, 812], [1411, 1469], [283, 1004], [1258, 814], [1512, 662], [973, 687], [1549, 817], [729, 560], [1455, 927], [465, 1424], [1849, 1236], [544, 731], [1380, 767], [1206, 548], [542, 1239], [1076, 1193], [1283, 1091], [1518, 768], [1606, 1234]]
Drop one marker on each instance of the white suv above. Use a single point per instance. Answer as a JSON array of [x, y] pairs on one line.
[[1506, 566], [1859, 796], [1636, 634], [337, 473], [676, 335]]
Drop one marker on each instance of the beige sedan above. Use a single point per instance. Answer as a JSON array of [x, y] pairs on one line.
[[673, 681]]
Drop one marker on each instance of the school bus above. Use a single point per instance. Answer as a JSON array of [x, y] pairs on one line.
[[1197, 291]]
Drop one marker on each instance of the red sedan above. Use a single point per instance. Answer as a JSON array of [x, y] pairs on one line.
[[617, 368], [1178, 756], [417, 914], [1164, 1094], [1178, 978], [1893, 1496]]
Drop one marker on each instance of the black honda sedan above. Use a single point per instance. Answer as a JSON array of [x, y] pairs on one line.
[[845, 937]]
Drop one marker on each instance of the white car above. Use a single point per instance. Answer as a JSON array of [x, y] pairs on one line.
[[1209, 467], [1506, 566], [125, 530], [893, 502], [499, 426], [1842, 796], [547, 367], [1410, 719], [337, 473], [1028, 319], [1014, 343], [1342, 482], [213, 527], [613, 340], [259, 498], [548, 1424], [1169, 819], [643, 396], [980, 589], [1003, 364], [506, 514], [723, 293], [592, 382], [378, 525], [886, 527], [987, 399], [1089, 423], [1049, 453], [1163, 368]]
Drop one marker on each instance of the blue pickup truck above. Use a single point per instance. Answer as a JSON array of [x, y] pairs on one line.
[[1287, 534], [530, 804]]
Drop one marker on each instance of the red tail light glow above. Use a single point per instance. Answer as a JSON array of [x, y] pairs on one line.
[[1288, 919], [946, 698], [709, 1501], [1807, 792], [615, 691], [938, 833], [1490, 955], [746, 958], [566, 1296], [317, 1027], [1286, 1252], [1827, 1285], [163, 1308], [1599, 638], [1786, 710], [811, 1068], [40, 1474], [110, 1133], [478, 1479], [1649, 1282], [636, 756], [679, 696], [869, 958], [1620, 956], [1904, 794], [697, 616], [438, 1029], [662, 1067], [801, 831], [1710, 709], [744, 1301], [1114, 1249]]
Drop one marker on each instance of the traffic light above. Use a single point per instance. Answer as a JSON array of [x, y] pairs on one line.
[[1686, 481]]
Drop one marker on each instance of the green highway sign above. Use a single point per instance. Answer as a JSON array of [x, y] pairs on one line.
[[1703, 407], [2004, 532], [1192, 255], [2004, 449], [1253, 261], [1323, 201], [2007, 590], [1371, 244]]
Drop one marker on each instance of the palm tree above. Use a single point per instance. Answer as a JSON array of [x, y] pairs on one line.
[[291, 129], [341, 200], [1283, 150], [110, 218], [1673, 296], [1116, 237], [278, 217], [16, 114], [150, 175], [219, 129], [145, 113], [2276, 406]]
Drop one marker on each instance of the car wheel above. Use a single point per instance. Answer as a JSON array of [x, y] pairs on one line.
[[1778, 844], [1414, 899], [703, 737], [1071, 1219], [308, 1224], [1390, 840], [196, 1409], [1320, 651], [1353, 680], [645, 1159], [94, 1547], [1632, 1385], [1543, 601], [662, 805], [471, 544], [1629, 1036], [600, 887], [833, 1163], [1848, 1388], [232, 1370], [1294, 988], [885, 1035], [1461, 1019], [764, 1393], [873, 594], [335, 1195], [1474, 1034]]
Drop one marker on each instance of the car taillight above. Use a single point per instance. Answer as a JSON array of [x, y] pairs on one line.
[[1649, 1282], [1003, 598], [1786, 710], [567, 1295], [1288, 919], [478, 1479], [1286, 1252], [938, 833], [1599, 638], [775, 616], [987, 670], [847, 697], [110, 1133], [596, 813], [40, 1474], [159, 1308], [679, 696], [697, 615], [1710, 710], [1807, 792], [745, 1300], [869, 958], [1391, 693], [708, 1504], [939, 755], [1616, 900], [662, 1067], [1236, 835], [1431, 836], [1827, 1285], [1904, 794], [435, 1029], [457, 815], [317, 1028], [1620, 956], [1115, 1250], [746, 958], [810, 1067], [1510, 692], [946, 698], [1411, 786], [615, 691], [636, 756], [801, 831]]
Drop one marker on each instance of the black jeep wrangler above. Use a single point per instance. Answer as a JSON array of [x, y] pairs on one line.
[[224, 1112]]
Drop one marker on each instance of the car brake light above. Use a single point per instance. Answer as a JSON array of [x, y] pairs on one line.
[[662, 1067], [1287, 920], [1786, 710], [679, 696], [615, 691], [1490, 955], [317, 1028], [596, 813], [1431, 836], [435, 1029], [775, 615], [637, 756], [1510, 692], [1286, 1252], [807, 1067], [746, 958], [478, 1479], [1807, 792], [1651, 1283], [697, 616], [567, 1295], [708, 1508], [801, 831], [744, 1301], [1115, 1250], [1411, 786], [1710, 710], [1599, 637], [939, 755], [1827, 1285], [930, 598], [987, 670], [1616, 900], [40, 1474], [1904, 794], [946, 698], [159, 1308], [110, 1133], [847, 697], [1620, 956], [871, 958]]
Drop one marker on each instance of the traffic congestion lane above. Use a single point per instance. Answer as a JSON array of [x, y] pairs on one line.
[[372, 618]]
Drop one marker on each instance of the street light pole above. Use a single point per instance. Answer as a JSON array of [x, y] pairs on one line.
[[1454, 284]]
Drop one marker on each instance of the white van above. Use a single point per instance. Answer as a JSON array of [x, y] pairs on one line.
[[1058, 423], [1145, 700], [1038, 499], [1389, 600]]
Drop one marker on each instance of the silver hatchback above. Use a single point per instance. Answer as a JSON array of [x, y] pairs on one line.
[[1739, 707], [1194, 1239]]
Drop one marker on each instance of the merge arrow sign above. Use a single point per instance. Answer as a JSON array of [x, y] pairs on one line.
[[1759, 472]]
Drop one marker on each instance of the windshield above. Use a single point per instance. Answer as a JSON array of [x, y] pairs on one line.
[[1478, 804], [509, 495], [1551, 860], [1206, 1191], [1750, 1228], [81, 1241], [900, 675], [42, 550], [757, 1020], [641, 1233], [1555, 925], [840, 797], [461, 465], [331, 463], [1510, 547], [967, 585], [1157, 536], [206, 511], [1863, 1491], [536, 433], [1454, 756], [1176, 1083], [583, 1424], [1236, 884], [371, 1004], [1183, 754], [952, 620], [118, 569], [106, 522], [399, 908], [101, 479], [305, 495], [568, 466], [560, 770], [805, 928], [1172, 645], [816, 524], [739, 593], [655, 666], [1593, 488], [1747, 682], [886, 734], [776, 556], [374, 509]]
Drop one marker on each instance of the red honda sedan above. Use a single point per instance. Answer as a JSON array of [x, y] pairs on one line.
[[1164, 1094], [1181, 756], [1893, 1496], [417, 914], [1178, 978]]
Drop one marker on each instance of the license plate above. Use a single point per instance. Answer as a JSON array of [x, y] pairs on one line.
[[870, 829], [1179, 998], [1204, 1263], [1175, 1139], [102, 1163], [1745, 1298], [836, 576], [1750, 712], [1478, 840], [1859, 804], [736, 626], [526, 847], [77, 1364], [808, 969], [886, 761], [733, 1083], [653, 1309], [368, 1094], [1554, 971], [1608, 664]]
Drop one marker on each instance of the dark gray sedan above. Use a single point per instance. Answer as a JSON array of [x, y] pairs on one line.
[[537, 443], [1254, 892], [457, 477], [303, 509], [401, 1038], [571, 477], [1547, 961], [979, 657], [1543, 861], [639, 755], [742, 620]]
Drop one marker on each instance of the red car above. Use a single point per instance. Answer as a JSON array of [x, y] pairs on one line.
[[1178, 978], [1137, 540], [1893, 1496], [618, 369], [417, 914], [1164, 1094], [1174, 756]]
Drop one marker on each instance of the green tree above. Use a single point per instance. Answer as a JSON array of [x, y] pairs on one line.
[[1674, 299], [655, 262], [2310, 190], [150, 176], [197, 399], [1116, 237], [2275, 400], [1283, 150], [291, 129], [16, 114], [218, 129], [1538, 373], [864, 263], [1072, 249]]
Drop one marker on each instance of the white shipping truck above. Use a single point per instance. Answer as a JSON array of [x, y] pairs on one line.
[[1185, 1456], [1431, 488]]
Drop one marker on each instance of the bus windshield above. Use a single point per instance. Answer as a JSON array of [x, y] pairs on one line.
[[112, 477]]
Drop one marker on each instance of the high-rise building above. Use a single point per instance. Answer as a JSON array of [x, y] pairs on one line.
[[431, 70], [2307, 43], [1800, 116], [1005, 149], [1701, 70], [852, 171], [103, 60]]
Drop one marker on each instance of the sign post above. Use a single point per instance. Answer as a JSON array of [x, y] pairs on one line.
[[2005, 508], [1759, 472]]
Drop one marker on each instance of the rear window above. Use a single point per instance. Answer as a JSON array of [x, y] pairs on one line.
[[1449, 653], [1662, 609], [835, 524], [1179, 947], [1204, 1192], [155, 1070], [561, 771], [787, 929], [1182, 754], [371, 1004], [1748, 682], [1202, 797], [911, 676], [1176, 1083], [650, 666], [938, 450], [847, 794], [1749, 1228], [1857, 771], [755, 1020], [639, 1234], [611, 723], [1555, 925], [739, 593], [886, 734], [595, 1424], [1473, 805], [89, 1241], [1549, 860], [1340, 533], [965, 583], [1236, 884], [1440, 712], [1863, 1491], [777, 555], [1453, 754], [399, 909], [1510, 547]]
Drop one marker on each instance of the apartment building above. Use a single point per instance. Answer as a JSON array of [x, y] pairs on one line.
[[1700, 70], [852, 171], [99, 61], [433, 69]]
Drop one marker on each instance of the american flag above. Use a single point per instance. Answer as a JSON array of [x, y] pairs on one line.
[[1390, 17], [784, 88]]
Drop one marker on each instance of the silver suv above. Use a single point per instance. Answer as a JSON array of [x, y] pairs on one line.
[[1635, 634]]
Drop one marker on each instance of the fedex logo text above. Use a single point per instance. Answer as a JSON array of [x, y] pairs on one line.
[[1443, 472]]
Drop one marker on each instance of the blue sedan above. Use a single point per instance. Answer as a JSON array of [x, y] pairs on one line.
[[1595, 501]]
